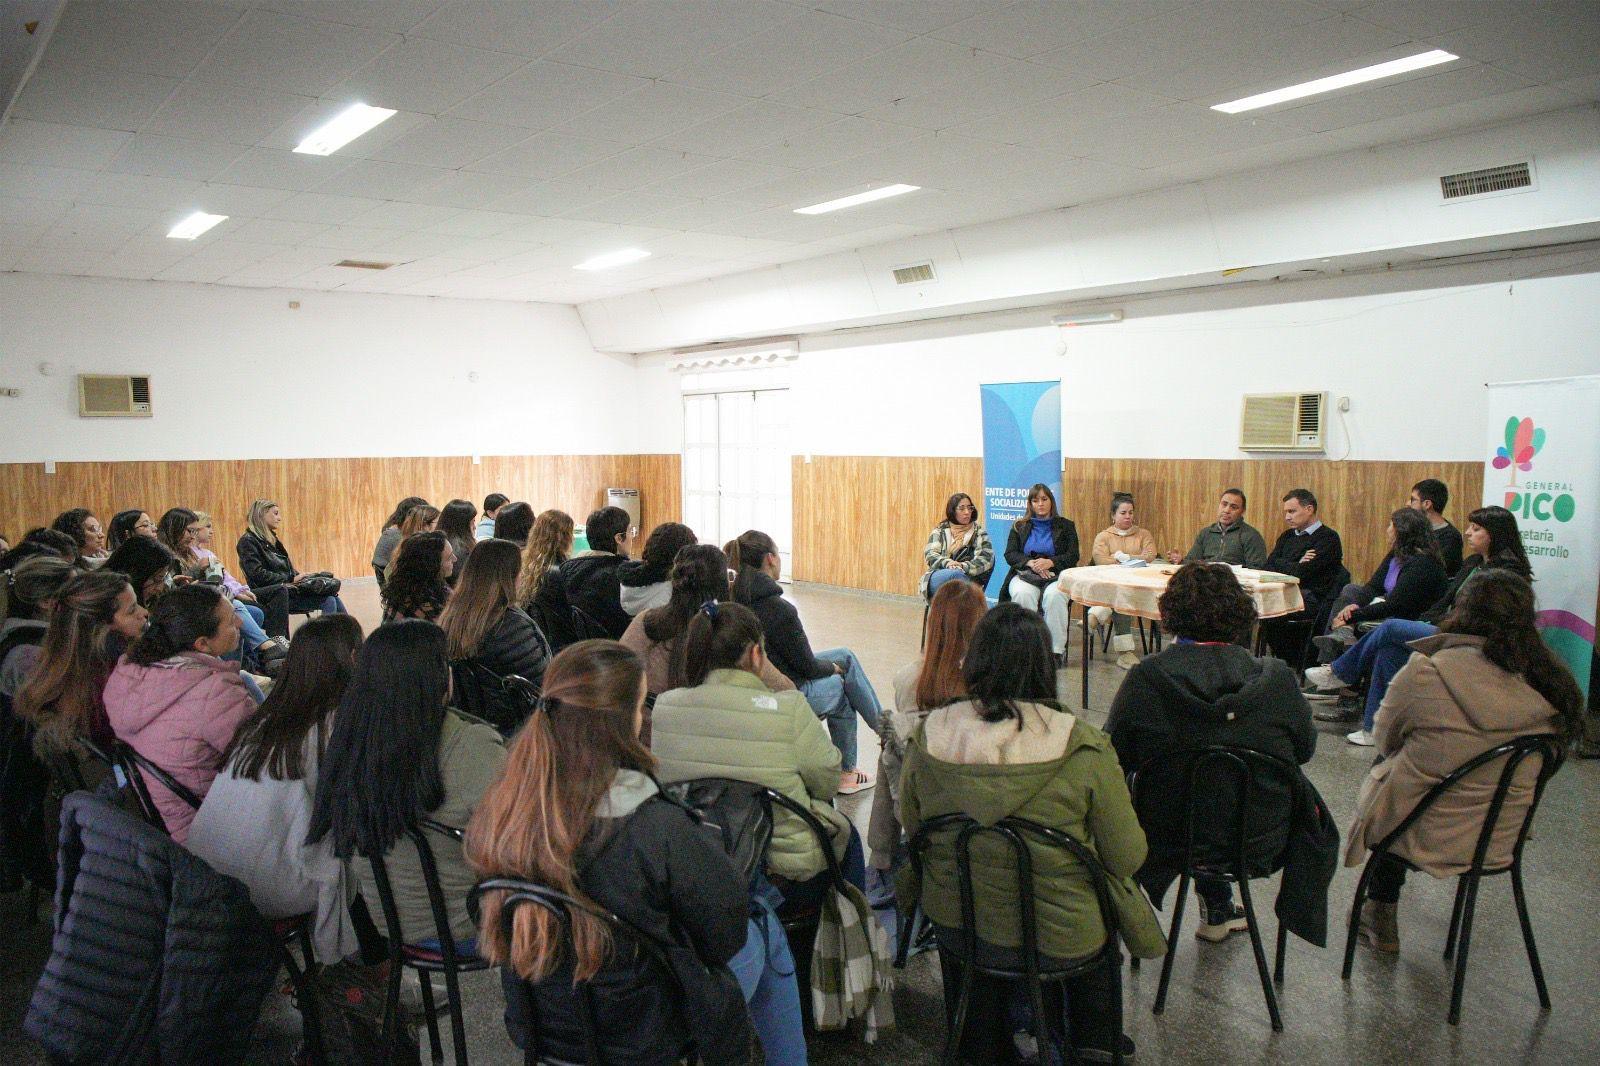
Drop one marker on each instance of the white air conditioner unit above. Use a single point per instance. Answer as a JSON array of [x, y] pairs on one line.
[[114, 396], [1282, 422]]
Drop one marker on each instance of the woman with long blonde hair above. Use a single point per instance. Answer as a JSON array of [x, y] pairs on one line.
[[578, 810], [539, 587]]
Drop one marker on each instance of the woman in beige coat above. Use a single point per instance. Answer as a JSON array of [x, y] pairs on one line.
[[1121, 541], [1486, 678]]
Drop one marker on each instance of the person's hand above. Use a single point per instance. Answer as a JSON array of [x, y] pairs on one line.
[[1174, 557], [298, 577], [838, 669], [1039, 566], [1343, 617], [245, 595], [1308, 556], [953, 565], [180, 580]]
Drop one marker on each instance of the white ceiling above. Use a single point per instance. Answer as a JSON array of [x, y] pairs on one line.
[[535, 133]]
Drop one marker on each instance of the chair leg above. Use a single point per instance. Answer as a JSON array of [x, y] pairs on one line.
[[425, 980], [1116, 1001], [952, 1046], [1355, 920], [1277, 965], [1178, 904], [391, 1006], [1083, 666], [303, 979], [458, 1023], [1527, 934], [1455, 918], [1462, 947], [1261, 956], [1043, 1030], [903, 925]]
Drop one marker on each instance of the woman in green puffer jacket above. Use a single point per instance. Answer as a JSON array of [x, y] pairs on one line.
[[1009, 750]]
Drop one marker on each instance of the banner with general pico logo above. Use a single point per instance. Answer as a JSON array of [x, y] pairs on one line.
[[1544, 467]]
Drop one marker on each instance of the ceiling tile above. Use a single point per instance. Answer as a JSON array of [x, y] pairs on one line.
[[321, 207], [722, 179], [451, 143], [650, 39], [546, 198], [272, 51], [1451, 85], [979, 84], [459, 188], [914, 16], [840, 139], [232, 113], [1057, 124], [241, 201], [274, 169], [316, 113], [548, 155], [795, 50], [51, 145], [545, 94], [918, 66], [167, 37], [396, 16], [1022, 30], [1559, 44], [174, 157], [476, 223], [553, 230], [637, 167], [526, 27], [692, 216], [394, 214], [74, 93], [20, 213], [1179, 132], [648, 112], [141, 190], [744, 128], [1425, 18], [42, 183], [377, 179], [625, 208], [427, 76], [277, 231]]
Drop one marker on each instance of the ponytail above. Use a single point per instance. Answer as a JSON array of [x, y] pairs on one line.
[[177, 620], [720, 635], [746, 555]]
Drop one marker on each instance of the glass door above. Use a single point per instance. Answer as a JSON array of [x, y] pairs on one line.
[[736, 472]]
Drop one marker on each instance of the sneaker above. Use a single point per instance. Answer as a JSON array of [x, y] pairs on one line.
[[853, 781], [1324, 679], [1361, 738], [1216, 926], [1096, 1054], [1128, 660], [1380, 927]]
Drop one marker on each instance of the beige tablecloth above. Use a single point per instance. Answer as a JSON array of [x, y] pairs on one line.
[[1135, 590]]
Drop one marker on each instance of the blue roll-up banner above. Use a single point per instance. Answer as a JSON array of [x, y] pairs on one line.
[[1021, 448]]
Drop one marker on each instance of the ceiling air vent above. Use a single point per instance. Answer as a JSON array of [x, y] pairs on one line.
[[1282, 422], [915, 274], [113, 396], [363, 264], [1504, 178]]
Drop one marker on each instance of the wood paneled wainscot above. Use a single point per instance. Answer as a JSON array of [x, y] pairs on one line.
[[332, 507]]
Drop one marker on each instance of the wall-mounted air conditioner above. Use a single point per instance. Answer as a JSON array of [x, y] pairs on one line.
[[114, 396], [1282, 422]]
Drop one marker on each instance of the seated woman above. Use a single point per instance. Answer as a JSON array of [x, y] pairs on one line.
[[484, 626], [175, 701], [514, 523], [416, 586], [95, 616], [957, 547], [1040, 546], [1206, 689], [455, 522], [833, 681], [1009, 749], [149, 566], [31, 581], [539, 588], [1408, 581], [180, 530], [1484, 679], [931, 680], [389, 537], [658, 636], [1119, 542], [267, 567], [253, 822], [578, 810], [130, 523], [84, 528], [645, 580], [398, 753], [1494, 543], [726, 723]]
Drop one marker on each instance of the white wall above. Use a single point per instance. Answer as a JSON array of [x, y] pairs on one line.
[[237, 374], [1412, 352]]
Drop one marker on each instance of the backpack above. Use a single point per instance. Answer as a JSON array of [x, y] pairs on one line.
[[736, 811], [503, 702]]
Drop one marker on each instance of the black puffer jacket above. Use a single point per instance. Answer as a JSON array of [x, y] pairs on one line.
[[263, 563], [591, 583], [156, 957], [655, 868], [787, 645], [515, 646], [1191, 696], [551, 611]]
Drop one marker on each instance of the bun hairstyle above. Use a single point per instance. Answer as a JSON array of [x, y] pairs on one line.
[[36, 579], [1118, 499], [720, 635], [177, 620], [662, 547]]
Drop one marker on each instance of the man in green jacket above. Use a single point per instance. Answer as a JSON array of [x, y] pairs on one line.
[[1230, 539]]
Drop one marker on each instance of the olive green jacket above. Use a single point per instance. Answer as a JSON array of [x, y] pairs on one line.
[[1081, 793]]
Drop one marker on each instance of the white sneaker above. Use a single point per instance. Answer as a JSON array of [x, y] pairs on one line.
[[1361, 739], [1128, 660], [1324, 678], [1099, 617]]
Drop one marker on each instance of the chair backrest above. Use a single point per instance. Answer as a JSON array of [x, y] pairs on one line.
[[1014, 833], [823, 836], [739, 810], [561, 907], [1234, 766], [586, 627], [503, 702], [1551, 752], [430, 879]]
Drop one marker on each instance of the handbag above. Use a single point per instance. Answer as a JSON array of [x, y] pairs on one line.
[[321, 585]]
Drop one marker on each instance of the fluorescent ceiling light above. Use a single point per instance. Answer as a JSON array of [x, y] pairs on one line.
[[612, 259], [1088, 318], [343, 128], [194, 225], [859, 198], [1338, 81]]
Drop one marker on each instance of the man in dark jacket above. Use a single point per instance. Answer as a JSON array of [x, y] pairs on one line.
[[1207, 690], [590, 578], [1312, 552]]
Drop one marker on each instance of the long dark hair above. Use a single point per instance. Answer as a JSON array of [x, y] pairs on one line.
[[486, 589], [1413, 534], [412, 582], [456, 520], [720, 634], [662, 548], [381, 770], [700, 574], [1505, 542], [177, 620], [747, 553], [71, 523], [172, 527], [1497, 605], [953, 502], [62, 695], [121, 527], [514, 522], [303, 696], [1040, 489], [1009, 661], [141, 560], [401, 509], [39, 575]]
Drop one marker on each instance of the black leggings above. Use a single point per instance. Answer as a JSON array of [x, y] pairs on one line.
[[1388, 875]]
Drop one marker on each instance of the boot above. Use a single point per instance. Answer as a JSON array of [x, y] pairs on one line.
[[1122, 644], [1380, 927]]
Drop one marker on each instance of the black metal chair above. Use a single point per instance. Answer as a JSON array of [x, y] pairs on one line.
[[445, 959], [800, 923], [286, 932], [1551, 753], [561, 908], [1236, 765], [964, 951]]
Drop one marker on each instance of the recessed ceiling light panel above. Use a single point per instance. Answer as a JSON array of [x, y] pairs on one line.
[[343, 128], [859, 198], [194, 225], [613, 259], [1338, 81]]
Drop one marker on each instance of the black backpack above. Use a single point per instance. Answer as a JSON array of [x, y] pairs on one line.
[[503, 702], [737, 811]]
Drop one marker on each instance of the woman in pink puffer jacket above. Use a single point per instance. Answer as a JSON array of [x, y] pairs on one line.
[[175, 701]]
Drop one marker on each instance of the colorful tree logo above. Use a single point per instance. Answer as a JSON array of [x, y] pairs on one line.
[[1522, 444]]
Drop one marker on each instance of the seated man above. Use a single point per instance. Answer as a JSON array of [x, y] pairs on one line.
[[591, 579], [1430, 496], [1227, 540], [1312, 552]]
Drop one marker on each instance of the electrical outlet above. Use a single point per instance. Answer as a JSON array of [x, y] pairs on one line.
[[1344, 403]]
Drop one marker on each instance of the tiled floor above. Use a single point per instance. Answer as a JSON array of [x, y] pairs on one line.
[[1393, 1010]]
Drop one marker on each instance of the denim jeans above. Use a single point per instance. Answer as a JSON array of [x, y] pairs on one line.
[[838, 698], [941, 577], [1381, 653], [765, 971], [251, 635]]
